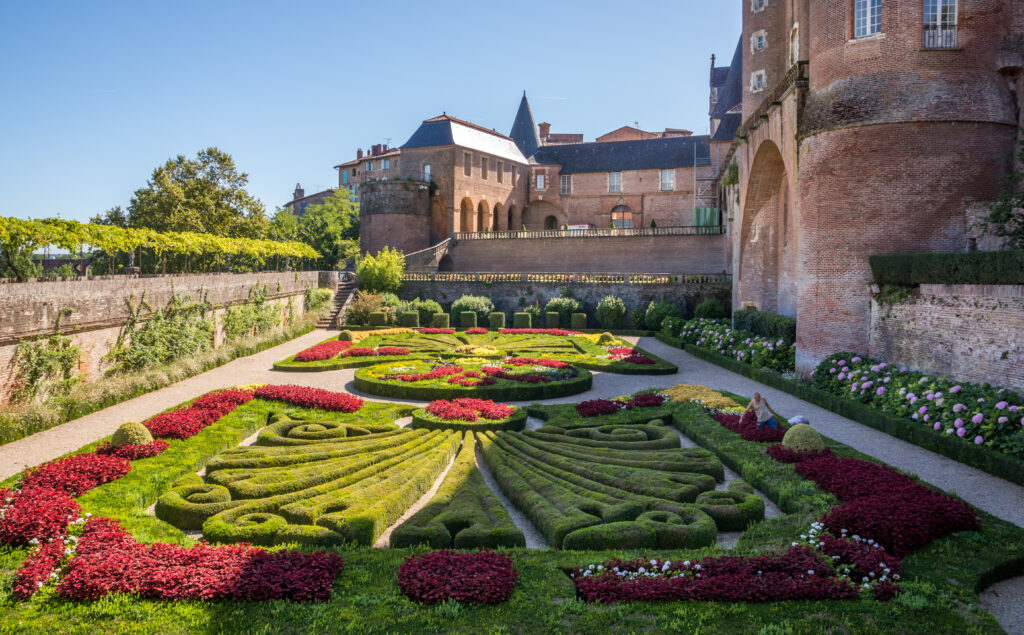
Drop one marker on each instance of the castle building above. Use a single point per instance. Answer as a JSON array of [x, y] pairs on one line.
[[378, 164], [300, 201]]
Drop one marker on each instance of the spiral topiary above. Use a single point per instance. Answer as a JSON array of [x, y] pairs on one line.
[[803, 438], [131, 433]]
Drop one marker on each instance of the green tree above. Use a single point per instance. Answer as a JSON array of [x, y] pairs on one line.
[[1006, 214], [383, 272], [206, 194], [332, 228], [114, 216], [18, 241], [283, 225]]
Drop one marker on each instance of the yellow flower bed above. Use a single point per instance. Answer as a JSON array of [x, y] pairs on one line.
[[358, 336], [473, 349], [683, 393]]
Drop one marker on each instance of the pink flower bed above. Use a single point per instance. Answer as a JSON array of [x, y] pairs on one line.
[[311, 398], [557, 332], [322, 351], [469, 410], [188, 421], [109, 560], [432, 331], [437, 373], [134, 452], [483, 577], [476, 331], [745, 425], [526, 378], [531, 361]]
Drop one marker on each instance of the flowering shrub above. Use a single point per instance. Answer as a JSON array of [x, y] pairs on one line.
[[556, 332], [978, 414], [743, 346], [476, 331], [322, 351], [782, 454], [311, 398], [432, 331], [134, 452], [38, 569], [109, 560], [745, 425], [483, 577], [469, 410], [34, 515]]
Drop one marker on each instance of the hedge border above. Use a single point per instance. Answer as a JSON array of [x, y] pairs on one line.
[[971, 267], [423, 421], [977, 456], [524, 392]]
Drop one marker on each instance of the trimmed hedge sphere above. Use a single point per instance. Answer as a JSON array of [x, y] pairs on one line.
[[345, 336], [131, 433], [606, 338], [803, 438]]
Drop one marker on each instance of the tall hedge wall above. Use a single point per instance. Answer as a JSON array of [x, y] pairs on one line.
[[972, 267]]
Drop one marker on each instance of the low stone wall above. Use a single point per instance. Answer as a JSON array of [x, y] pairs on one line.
[[100, 307], [514, 296], [620, 254], [969, 332]]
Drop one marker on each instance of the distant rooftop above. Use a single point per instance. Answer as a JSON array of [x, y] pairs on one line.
[[615, 156]]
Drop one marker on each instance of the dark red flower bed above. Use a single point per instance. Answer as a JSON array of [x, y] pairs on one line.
[[471, 379], [38, 513], [745, 425], [621, 351], [311, 398], [526, 378], [782, 454], [468, 409], [134, 452], [596, 407], [638, 359], [431, 331], [36, 569], [188, 421], [437, 373], [798, 574], [75, 475], [482, 577], [322, 351], [531, 361], [392, 350], [358, 352], [866, 561], [476, 331], [645, 400], [109, 560], [558, 332]]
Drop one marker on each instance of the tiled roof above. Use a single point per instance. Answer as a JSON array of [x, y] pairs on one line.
[[615, 156], [727, 128], [524, 129], [731, 92]]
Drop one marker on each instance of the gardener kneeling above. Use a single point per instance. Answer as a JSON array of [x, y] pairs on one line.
[[764, 412]]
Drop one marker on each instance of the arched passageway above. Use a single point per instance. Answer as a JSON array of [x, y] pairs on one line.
[[465, 220], [438, 219], [483, 216]]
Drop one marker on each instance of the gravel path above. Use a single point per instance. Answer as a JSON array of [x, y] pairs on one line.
[[994, 495]]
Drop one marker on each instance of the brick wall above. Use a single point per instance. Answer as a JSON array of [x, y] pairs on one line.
[[100, 307], [632, 254], [394, 214], [506, 295], [970, 333]]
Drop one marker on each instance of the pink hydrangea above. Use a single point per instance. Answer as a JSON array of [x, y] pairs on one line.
[[955, 389], [1003, 419], [1001, 405], [923, 409], [978, 440], [961, 432], [959, 423], [937, 426], [978, 418], [880, 391]]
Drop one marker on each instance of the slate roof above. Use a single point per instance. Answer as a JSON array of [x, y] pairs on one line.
[[524, 129], [616, 156], [730, 92], [446, 130], [719, 75], [726, 130]]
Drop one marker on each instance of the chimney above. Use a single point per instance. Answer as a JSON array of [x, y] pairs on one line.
[[545, 130], [299, 192], [359, 153]]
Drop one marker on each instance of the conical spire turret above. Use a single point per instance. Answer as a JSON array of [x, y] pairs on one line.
[[524, 129]]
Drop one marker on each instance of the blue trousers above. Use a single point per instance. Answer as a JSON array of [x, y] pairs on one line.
[[771, 422]]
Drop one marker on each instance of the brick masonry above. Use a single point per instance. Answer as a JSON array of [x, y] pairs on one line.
[[100, 307], [970, 333]]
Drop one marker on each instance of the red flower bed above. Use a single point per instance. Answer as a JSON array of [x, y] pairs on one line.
[[311, 398], [76, 474], [866, 560], [437, 373], [527, 378], [36, 569], [531, 361], [392, 350], [188, 421], [885, 506], [109, 560], [638, 359], [325, 350], [432, 331], [782, 454], [38, 513], [746, 426], [596, 407], [798, 574], [471, 379], [645, 400], [468, 409], [558, 332], [134, 452], [621, 351], [358, 352], [483, 577], [476, 331]]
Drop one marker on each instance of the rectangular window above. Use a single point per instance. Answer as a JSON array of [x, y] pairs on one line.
[[387, 164], [426, 172], [344, 177], [615, 181], [867, 17], [500, 170], [483, 168], [940, 24], [758, 79], [757, 5], [369, 166], [758, 41], [541, 185], [668, 180], [467, 164], [565, 185]]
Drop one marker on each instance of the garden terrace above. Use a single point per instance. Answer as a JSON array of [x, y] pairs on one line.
[[572, 278]]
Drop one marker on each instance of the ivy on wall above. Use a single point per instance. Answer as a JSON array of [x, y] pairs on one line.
[[46, 368], [180, 328], [253, 317]]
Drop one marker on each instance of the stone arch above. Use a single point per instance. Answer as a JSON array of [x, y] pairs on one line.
[[465, 216], [483, 216], [550, 222], [515, 223], [768, 244], [438, 219], [622, 217], [446, 263], [498, 218], [538, 211]]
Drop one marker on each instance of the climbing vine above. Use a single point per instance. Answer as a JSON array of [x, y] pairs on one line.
[[46, 367], [252, 317], [180, 329]]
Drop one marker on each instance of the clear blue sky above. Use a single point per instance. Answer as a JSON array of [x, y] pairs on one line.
[[94, 95]]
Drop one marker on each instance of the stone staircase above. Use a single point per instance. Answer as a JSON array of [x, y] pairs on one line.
[[427, 260], [342, 296]]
